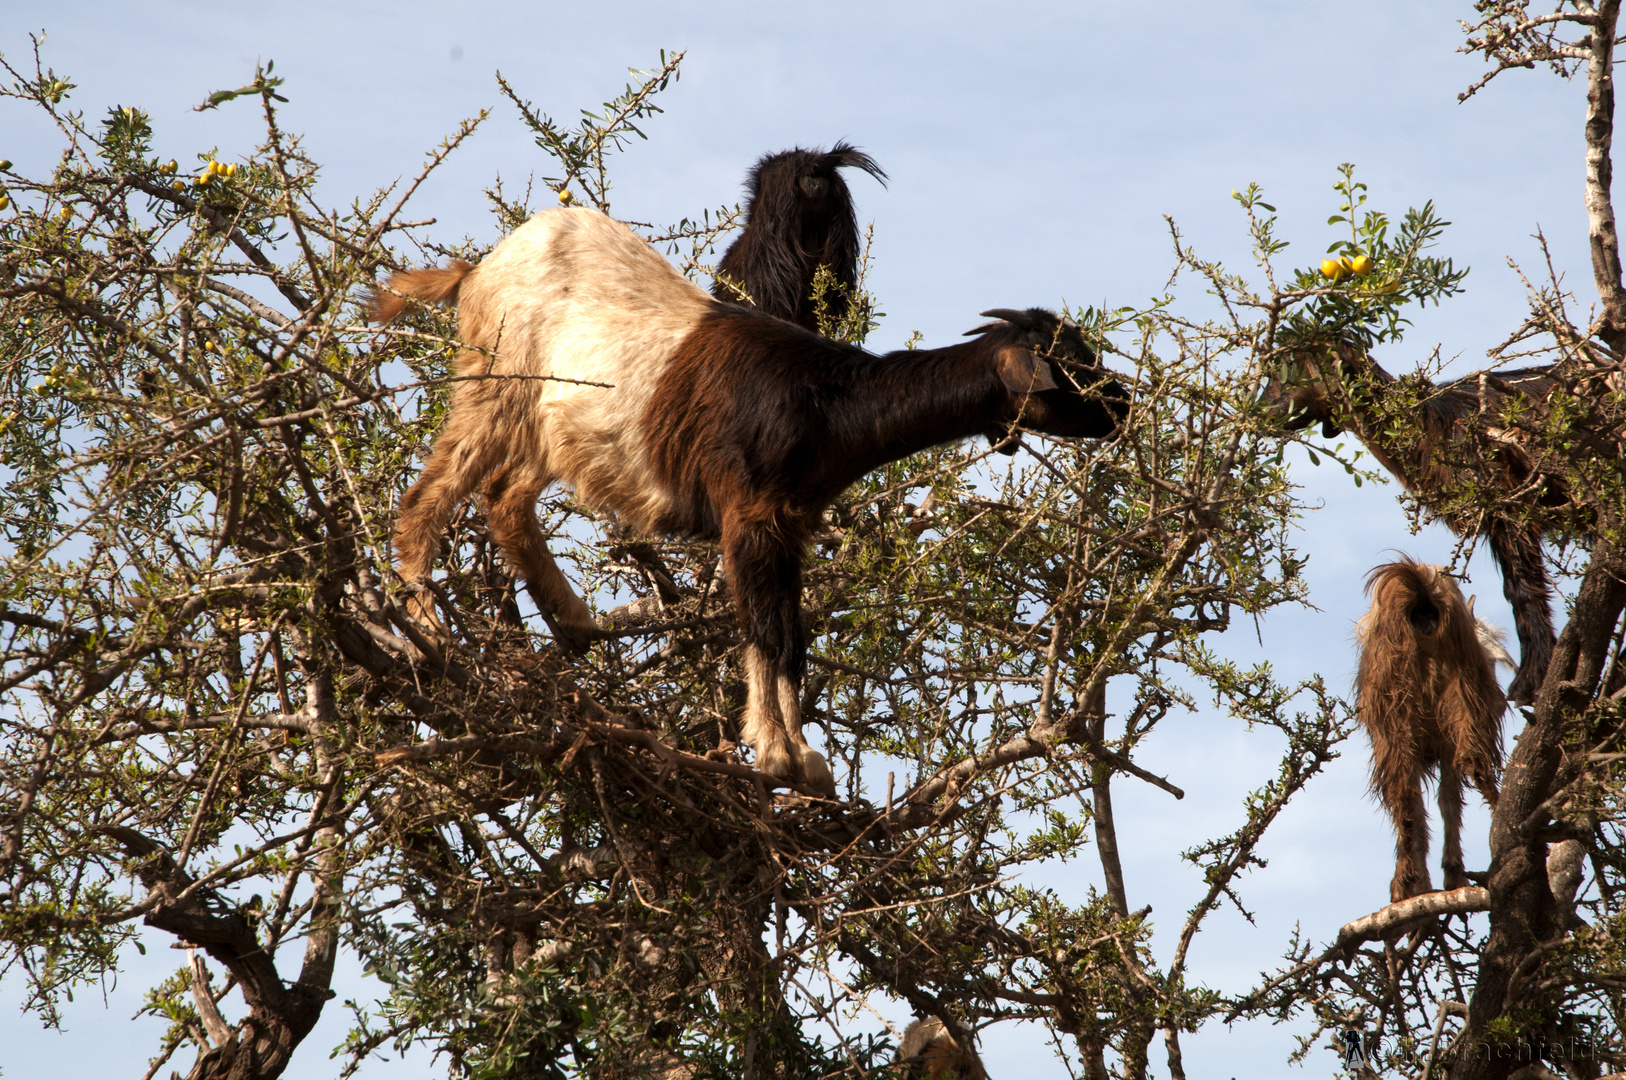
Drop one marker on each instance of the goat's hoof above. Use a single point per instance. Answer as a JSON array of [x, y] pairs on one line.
[[420, 608], [578, 639], [815, 770], [775, 760]]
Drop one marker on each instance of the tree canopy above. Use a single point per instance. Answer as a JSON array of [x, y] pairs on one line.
[[220, 725]]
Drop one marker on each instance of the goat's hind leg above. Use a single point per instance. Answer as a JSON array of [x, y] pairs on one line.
[[1403, 798], [510, 495], [1450, 800], [462, 455]]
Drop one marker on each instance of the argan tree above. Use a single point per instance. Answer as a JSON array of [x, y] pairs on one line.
[[222, 731]]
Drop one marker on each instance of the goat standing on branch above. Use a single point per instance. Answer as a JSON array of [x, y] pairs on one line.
[[707, 419], [1343, 391], [799, 217], [1426, 694]]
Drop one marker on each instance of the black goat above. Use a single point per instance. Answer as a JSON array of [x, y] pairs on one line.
[[799, 217], [1342, 388]]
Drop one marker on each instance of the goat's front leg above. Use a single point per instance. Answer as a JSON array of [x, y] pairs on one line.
[[1450, 798], [765, 575], [1528, 589]]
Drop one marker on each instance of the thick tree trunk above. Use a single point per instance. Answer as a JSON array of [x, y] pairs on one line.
[[1523, 913]]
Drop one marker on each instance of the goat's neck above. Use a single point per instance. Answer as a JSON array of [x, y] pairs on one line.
[[908, 401], [1365, 408]]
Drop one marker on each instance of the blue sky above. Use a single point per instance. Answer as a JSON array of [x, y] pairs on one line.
[[1033, 149]]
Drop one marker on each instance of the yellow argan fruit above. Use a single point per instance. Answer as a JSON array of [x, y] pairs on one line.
[[566, 198], [1361, 265], [67, 213], [172, 168], [202, 180], [5, 164], [177, 185], [5, 201], [48, 423], [1332, 268]]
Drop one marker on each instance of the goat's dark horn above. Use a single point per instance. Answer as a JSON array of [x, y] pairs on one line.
[[1010, 315], [985, 328], [844, 155]]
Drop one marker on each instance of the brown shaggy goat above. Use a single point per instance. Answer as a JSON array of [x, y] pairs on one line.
[[1426, 694], [930, 1052], [1343, 389]]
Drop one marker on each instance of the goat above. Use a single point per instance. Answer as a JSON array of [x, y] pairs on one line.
[[1318, 394], [1426, 693], [799, 216], [930, 1052], [684, 414]]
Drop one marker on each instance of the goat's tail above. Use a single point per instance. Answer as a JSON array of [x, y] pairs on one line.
[[432, 286]]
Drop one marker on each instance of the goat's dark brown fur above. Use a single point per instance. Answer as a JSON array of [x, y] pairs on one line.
[[1336, 391], [799, 217], [1426, 694]]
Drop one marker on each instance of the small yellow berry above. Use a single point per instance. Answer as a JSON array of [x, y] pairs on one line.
[[1361, 265], [177, 185], [171, 168], [66, 214], [48, 423], [1332, 268], [5, 164], [5, 201], [202, 180], [566, 198], [231, 170]]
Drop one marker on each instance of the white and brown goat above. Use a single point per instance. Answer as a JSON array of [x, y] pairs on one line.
[[608, 370]]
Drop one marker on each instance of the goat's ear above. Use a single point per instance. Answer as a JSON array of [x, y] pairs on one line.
[[1024, 373]]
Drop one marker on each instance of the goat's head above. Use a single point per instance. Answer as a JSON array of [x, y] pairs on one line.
[[802, 192], [1308, 386], [806, 183], [1055, 382]]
